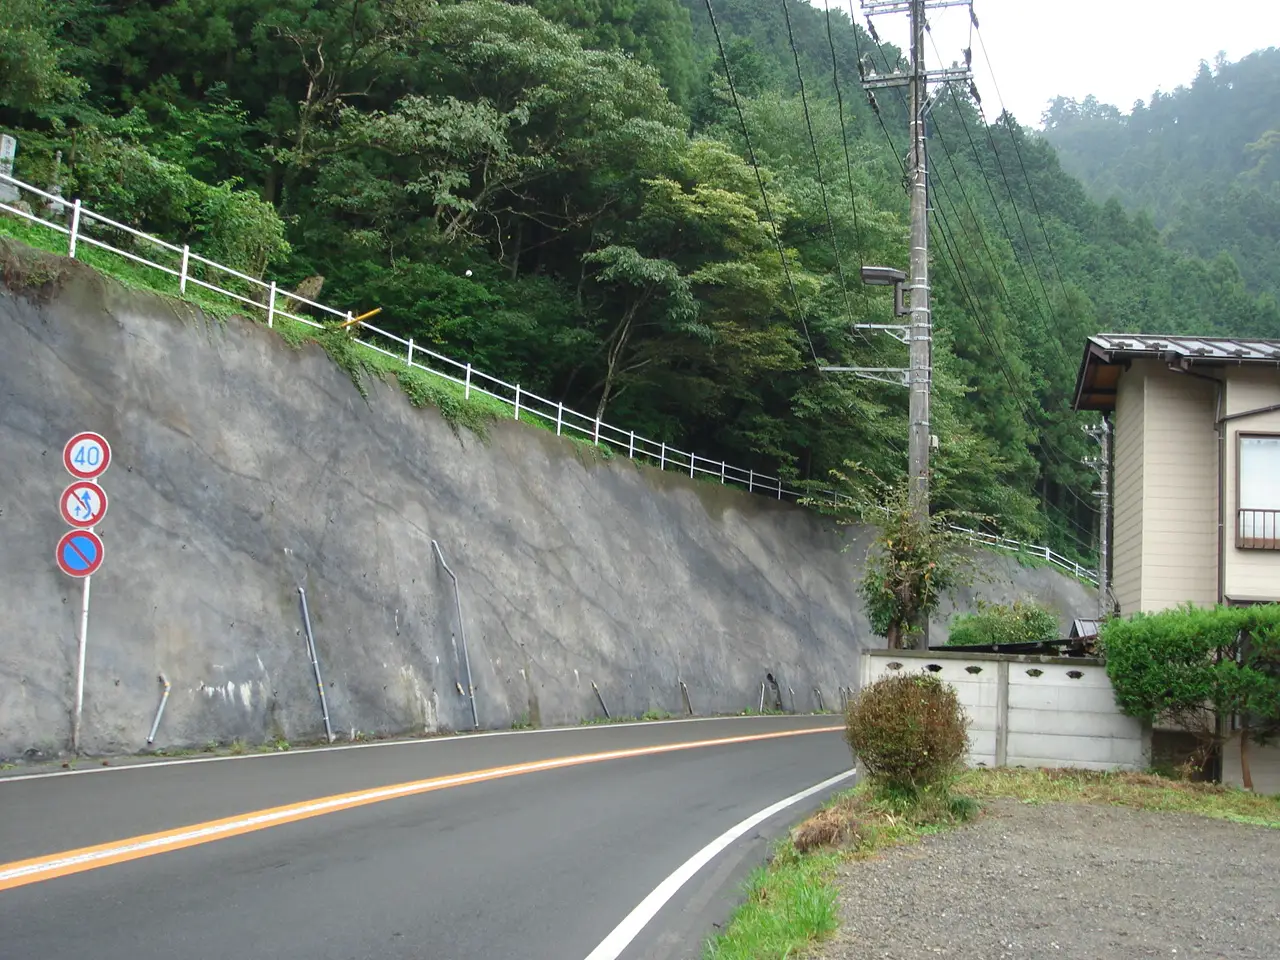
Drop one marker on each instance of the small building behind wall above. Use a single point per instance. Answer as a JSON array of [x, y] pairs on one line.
[[1196, 457]]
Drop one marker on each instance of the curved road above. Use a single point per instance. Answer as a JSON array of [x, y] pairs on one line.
[[538, 845]]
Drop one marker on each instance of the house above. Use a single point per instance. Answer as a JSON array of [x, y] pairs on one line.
[[1196, 455]]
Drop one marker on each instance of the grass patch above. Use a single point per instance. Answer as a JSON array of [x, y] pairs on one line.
[[130, 274], [647, 717], [1141, 791], [791, 903]]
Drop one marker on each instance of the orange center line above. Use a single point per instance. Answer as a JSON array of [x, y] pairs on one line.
[[20, 873]]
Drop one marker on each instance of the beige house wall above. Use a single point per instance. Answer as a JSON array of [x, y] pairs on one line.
[[1127, 453], [1250, 574], [1180, 490]]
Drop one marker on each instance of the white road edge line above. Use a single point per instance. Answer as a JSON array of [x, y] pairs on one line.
[[413, 741], [620, 938]]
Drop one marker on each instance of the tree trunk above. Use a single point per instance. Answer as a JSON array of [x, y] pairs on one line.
[[515, 256], [614, 357], [1246, 775]]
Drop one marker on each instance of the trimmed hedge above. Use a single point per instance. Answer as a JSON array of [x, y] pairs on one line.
[[1192, 664]]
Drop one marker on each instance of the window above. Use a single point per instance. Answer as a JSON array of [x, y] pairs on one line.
[[1258, 485]]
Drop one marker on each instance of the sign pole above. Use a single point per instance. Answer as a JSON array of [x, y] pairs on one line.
[[84, 640], [80, 551]]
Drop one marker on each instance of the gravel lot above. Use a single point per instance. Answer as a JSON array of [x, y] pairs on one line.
[[1067, 881]]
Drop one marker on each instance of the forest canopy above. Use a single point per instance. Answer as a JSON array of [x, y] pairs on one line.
[[629, 252]]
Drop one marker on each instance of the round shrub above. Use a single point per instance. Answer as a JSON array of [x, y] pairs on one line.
[[908, 730]]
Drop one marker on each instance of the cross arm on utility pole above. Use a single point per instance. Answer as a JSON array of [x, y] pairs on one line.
[[898, 376]]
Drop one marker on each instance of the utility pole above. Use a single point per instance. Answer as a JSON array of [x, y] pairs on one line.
[[917, 377], [1102, 464], [921, 329]]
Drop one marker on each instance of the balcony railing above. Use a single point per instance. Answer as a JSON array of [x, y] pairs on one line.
[[1258, 529]]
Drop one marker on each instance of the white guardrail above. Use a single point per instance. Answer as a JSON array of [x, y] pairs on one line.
[[417, 357]]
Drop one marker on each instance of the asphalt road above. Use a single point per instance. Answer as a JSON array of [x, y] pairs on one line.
[[540, 865]]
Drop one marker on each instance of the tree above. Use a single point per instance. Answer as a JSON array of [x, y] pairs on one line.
[[911, 564], [33, 55]]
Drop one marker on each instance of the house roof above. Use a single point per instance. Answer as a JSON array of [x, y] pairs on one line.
[[1107, 355]]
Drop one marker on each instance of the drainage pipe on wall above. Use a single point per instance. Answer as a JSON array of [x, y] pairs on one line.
[[603, 706], [315, 663], [164, 698], [462, 634]]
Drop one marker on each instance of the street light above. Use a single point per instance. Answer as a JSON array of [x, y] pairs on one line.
[[886, 276]]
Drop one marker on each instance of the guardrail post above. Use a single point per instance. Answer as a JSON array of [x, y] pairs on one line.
[[779, 488], [722, 471], [595, 436], [692, 458], [182, 276], [662, 460], [751, 480], [271, 306], [631, 450], [466, 392], [75, 228], [559, 417], [517, 401], [409, 360]]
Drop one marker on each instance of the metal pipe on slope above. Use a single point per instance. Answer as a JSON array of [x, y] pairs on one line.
[[462, 634]]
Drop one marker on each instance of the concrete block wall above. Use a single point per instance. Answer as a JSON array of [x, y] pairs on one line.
[[1030, 711]]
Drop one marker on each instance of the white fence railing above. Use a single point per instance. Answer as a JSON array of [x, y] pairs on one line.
[[272, 301]]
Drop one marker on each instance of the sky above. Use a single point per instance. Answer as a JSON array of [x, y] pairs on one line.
[[1118, 50]]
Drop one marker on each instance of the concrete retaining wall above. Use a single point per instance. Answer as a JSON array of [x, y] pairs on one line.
[[244, 469], [1030, 711]]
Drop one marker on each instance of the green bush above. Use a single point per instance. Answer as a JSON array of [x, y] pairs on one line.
[[1191, 665], [114, 175], [908, 730], [1023, 621]]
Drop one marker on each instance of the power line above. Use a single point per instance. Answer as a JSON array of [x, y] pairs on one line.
[[871, 100], [974, 301], [817, 162], [1050, 335], [1018, 150], [844, 134], [954, 264], [1050, 450], [1048, 323], [764, 194], [954, 268]]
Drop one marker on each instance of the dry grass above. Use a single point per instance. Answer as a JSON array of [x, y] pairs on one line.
[[863, 820], [1142, 791]]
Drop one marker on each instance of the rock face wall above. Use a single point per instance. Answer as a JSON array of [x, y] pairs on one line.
[[244, 469]]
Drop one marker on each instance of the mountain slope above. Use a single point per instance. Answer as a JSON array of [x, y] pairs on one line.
[[1204, 161]]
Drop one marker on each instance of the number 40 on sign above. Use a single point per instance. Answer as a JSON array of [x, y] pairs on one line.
[[86, 456]]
